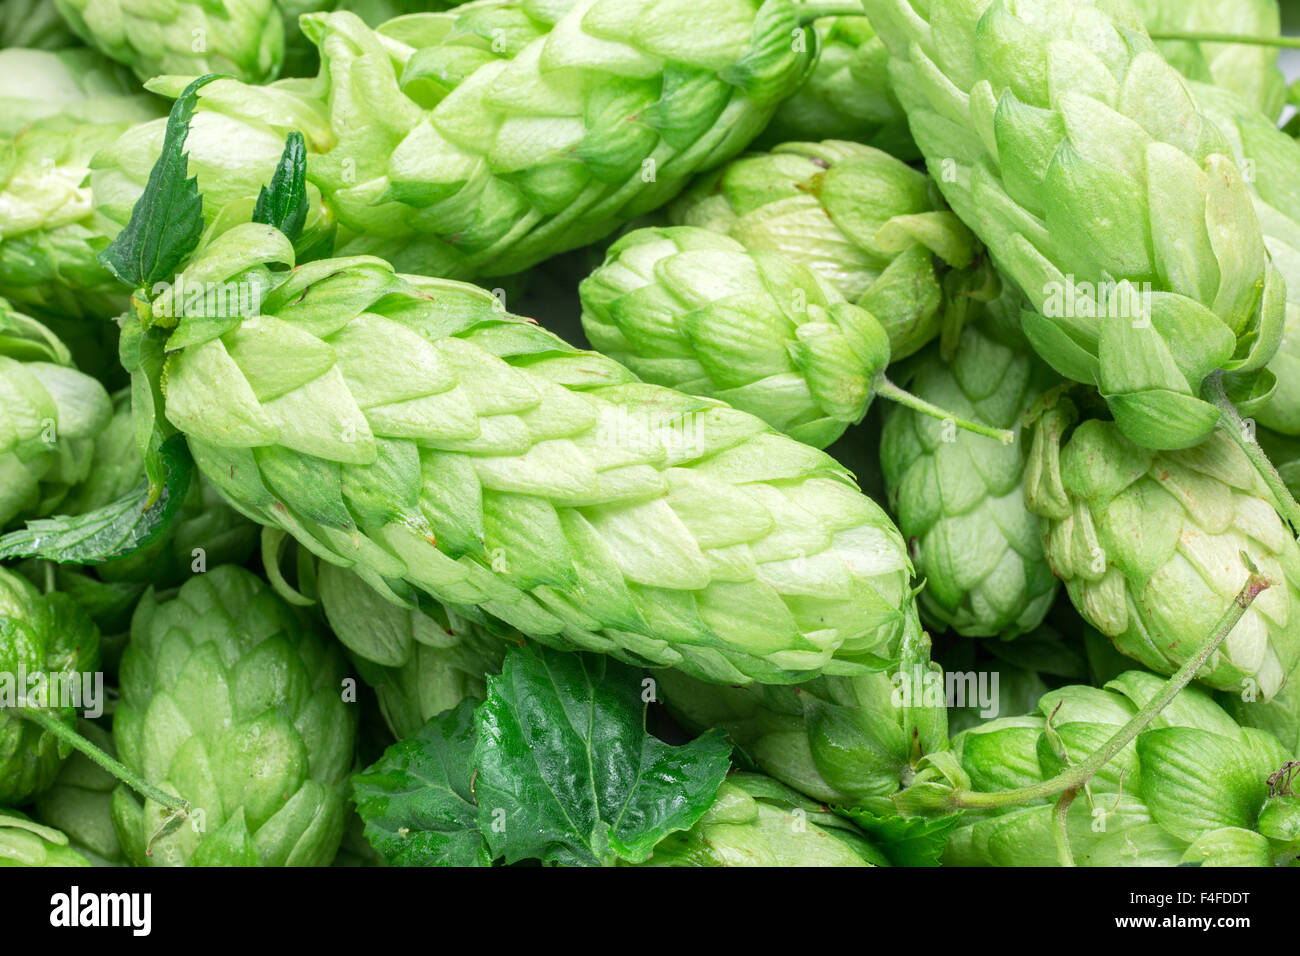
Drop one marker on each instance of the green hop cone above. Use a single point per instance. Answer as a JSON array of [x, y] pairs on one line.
[[56, 111], [434, 443], [756, 821], [235, 141], [693, 310], [244, 38], [420, 664], [49, 416], [847, 94], [79, 804], [1079, 157], [1248, 70], [870, 225], [845, 741], [47, 635], [959, 497], [1149, 546], [23, 842], [231, 702], [1189, 789], [503, 132]]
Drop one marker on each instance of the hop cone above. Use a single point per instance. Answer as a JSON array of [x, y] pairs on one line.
[[844, 741], [39, 634], [1192, 788], [419, 663], [869, 224], [23, 842], [56, 111], [1078, 155], [756, 821], [846, 96], [229, 701], [505, 131], [1149, 546], [959, 497], [49, 416], [408, 428], [244, 38], [696, 311]]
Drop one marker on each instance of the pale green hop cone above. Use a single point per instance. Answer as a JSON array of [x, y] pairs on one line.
[[1149, 546], [50, 414], [34, 24], [408, 428], [244, 38], [959, 497], [1192, 788], [694, 310], [873, 227], [1078, 156], [231, 702], [756, 821], [482, 140]]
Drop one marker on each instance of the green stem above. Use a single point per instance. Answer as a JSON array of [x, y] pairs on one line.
[[1074, 777], [1061, 832], [53, 725], [887, 389], [1230, 421], [808, 12], [1194, 36]]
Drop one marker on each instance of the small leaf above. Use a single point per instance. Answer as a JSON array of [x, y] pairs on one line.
[[566, 771], [417, 801], [116, 530], [167, 219], [906, 841], [283, 204]]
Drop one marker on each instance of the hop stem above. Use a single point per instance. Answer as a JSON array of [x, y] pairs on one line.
[[808, 12], [1194, 36], [887, 389], [53, 725], [1075, 777]]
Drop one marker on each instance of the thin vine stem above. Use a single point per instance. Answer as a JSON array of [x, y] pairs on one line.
[[1231, 422], [887, 389], [815, 10], [1196, 36], [1072, 778], [53, 725], [1061, 831]]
